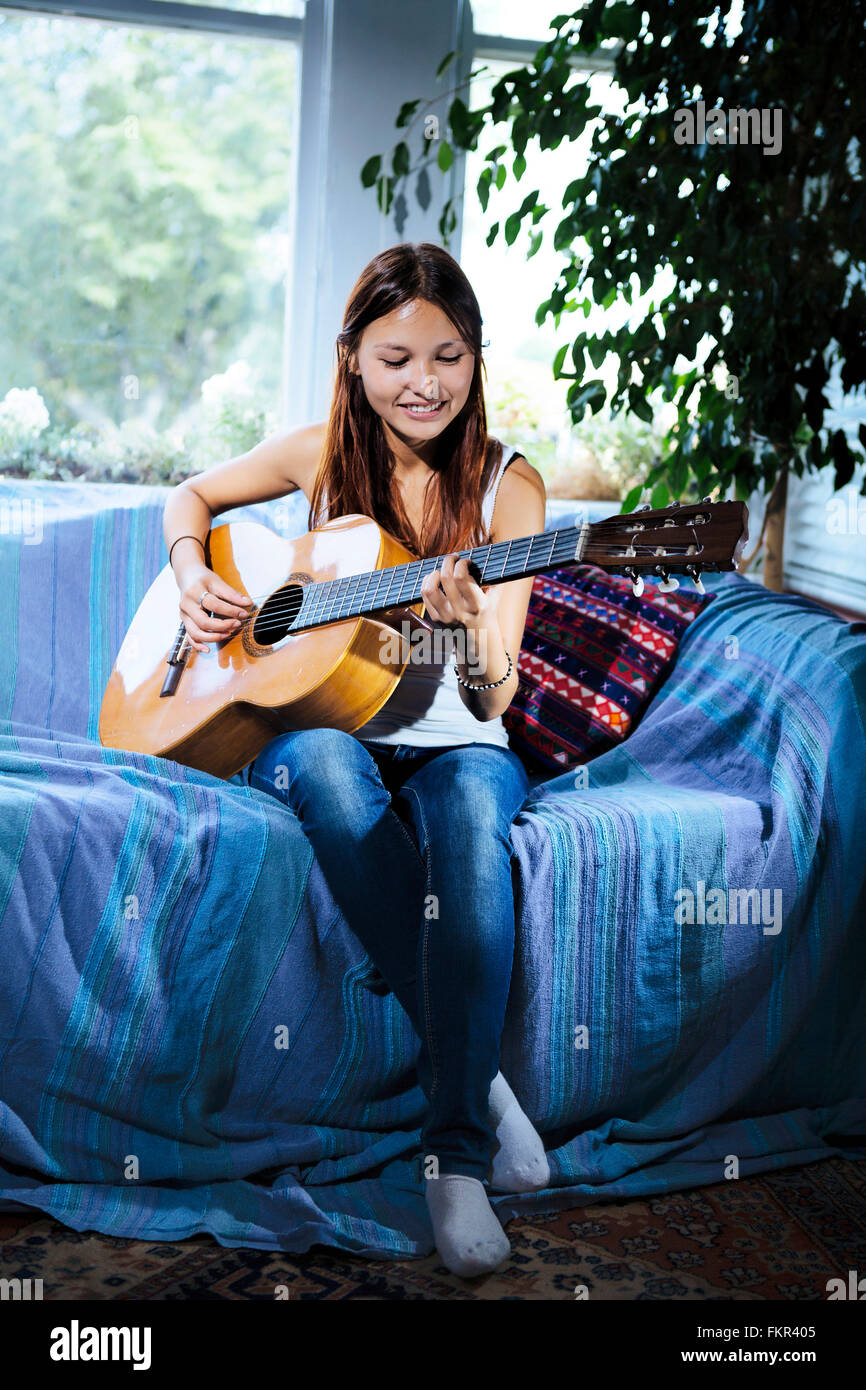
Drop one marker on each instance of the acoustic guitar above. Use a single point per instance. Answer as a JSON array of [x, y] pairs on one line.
[[310, 653]]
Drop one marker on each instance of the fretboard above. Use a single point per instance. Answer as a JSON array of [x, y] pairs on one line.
[[329, 600]]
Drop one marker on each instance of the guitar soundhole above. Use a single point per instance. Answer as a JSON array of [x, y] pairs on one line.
[[277, 613]]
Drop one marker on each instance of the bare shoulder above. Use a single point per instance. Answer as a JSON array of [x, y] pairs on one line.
[[521, 501], [283, 463], [307, 446], [519, 467]]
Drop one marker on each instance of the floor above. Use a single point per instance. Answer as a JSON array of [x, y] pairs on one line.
[[779, 1236]]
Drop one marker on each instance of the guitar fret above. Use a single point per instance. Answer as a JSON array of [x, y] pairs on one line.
[[409, 582], [355, 594], [505, 561], [390, 599], [324, 598], [343, 596], [316, 599]]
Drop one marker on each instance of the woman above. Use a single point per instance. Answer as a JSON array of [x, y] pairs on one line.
[[410, 816]]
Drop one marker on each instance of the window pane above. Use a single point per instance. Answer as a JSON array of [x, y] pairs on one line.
[[145, 198], [526, 406], [517, 20], [286, 9]]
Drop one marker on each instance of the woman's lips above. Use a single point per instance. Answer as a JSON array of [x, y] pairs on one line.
[[424, 413]]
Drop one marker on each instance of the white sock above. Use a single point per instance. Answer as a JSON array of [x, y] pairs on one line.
[[468, 1235], [519, 1161]]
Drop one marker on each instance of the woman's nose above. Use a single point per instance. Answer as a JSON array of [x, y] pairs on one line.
[[428, 387]]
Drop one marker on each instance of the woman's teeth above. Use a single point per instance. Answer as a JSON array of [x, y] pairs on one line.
[[423, 409]]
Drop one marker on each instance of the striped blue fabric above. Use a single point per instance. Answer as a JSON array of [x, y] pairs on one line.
[[188, 1039]]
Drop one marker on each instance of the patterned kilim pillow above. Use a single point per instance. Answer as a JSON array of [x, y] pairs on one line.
[[592, 657]]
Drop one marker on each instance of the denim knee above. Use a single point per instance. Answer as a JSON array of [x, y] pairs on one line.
[[311, 762]]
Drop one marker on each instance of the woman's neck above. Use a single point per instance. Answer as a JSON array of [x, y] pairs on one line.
[[412, 462]]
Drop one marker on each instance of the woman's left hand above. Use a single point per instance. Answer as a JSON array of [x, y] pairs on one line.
[[460, 600]]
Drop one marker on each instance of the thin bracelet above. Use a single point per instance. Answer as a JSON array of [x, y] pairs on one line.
[[488, 685], [186, 538]]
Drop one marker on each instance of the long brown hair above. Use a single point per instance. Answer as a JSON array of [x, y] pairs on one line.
[[357, 465]]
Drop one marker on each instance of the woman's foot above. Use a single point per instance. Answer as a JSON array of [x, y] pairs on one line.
[[468, 1235], [519, 1161]]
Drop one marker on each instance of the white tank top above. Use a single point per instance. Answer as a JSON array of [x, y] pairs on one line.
[[426, 708]]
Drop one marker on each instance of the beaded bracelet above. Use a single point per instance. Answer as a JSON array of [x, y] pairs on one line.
[[488, 685]]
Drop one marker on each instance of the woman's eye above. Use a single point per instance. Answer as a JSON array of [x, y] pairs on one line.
[[449, 361]]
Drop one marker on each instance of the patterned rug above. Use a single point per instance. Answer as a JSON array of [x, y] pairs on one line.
[[778, 1236]]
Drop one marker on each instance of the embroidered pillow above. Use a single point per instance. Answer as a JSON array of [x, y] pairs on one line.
[[592, 657]]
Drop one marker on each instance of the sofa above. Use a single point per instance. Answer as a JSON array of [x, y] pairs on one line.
[[192, 1039]]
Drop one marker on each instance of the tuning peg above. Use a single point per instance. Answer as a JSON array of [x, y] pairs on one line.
[[668, 583], [695, 572], [637, 584], [645, 507], [706, 499]]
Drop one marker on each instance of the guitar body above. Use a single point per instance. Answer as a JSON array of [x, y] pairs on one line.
[[230, 702]]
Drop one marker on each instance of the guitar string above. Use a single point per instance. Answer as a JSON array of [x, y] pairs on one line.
[[273, 623], [276, 615]]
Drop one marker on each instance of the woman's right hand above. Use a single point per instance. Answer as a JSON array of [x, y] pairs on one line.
[[228, 606]]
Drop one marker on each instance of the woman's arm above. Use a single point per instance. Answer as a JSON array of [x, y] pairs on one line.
[[497, 613], [277, 466]]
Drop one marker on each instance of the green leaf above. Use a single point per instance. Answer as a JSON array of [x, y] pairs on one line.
[[445, 156], [407, 111], [384, 193], [639, 404], [449, 57], [597, 349], [660, 496], [483, 188], [400, 161], [512, 227], [559, 360], [592, 395], [742, 489], [631, 499], [458, 120], [843, 458], [370, 171], [678, 472]]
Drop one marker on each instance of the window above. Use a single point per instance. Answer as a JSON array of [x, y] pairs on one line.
[[516, 19], [146, 198], [526, 405]]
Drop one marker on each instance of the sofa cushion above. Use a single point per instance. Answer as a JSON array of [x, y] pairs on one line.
[[592, 657]]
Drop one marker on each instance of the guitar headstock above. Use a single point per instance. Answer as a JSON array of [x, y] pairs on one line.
[[680, 539]]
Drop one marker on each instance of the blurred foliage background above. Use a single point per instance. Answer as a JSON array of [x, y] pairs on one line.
[[145, 192]]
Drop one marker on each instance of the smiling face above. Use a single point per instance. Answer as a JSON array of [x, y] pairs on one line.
[[416, 370]]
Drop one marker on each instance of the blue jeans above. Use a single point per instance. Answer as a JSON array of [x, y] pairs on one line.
[[415, 844]]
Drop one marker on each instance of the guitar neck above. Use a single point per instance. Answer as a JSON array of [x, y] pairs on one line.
[[355, 595], [685, 538]]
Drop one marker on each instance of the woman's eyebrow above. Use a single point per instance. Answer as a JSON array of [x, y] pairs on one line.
[[400, 347]]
